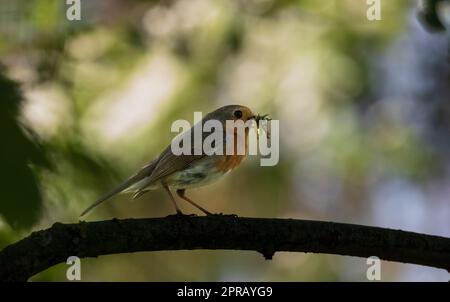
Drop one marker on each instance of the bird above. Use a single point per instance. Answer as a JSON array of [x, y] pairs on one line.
[[185, 171]]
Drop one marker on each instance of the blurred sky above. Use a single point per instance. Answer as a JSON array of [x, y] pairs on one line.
[[363, 109]]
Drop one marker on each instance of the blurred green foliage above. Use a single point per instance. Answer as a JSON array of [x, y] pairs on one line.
[[99, 96], [21, 199]]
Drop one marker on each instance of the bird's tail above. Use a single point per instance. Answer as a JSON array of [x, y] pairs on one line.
[[144, 172], [108, 195]]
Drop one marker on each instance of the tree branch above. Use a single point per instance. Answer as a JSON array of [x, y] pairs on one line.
[[45, 248]]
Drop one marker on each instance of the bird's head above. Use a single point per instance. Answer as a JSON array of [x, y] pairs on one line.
[[231, 112]]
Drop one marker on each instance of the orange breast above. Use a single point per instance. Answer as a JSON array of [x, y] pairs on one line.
[[229, 162]]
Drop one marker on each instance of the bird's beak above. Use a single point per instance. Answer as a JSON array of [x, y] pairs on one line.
[[260, 117]]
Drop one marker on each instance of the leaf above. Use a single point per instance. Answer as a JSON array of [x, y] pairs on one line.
[[20, 198]]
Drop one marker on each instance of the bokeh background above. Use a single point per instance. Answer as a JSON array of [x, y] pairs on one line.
[[363, 107]]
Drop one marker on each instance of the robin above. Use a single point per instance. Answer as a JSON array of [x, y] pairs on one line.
[[181, 172]]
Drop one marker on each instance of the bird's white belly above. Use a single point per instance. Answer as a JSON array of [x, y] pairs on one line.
[[202, 173]]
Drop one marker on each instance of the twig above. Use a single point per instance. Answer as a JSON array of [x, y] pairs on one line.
[[43, 249]]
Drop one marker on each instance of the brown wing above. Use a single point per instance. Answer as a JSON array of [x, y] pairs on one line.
[[169, 163]]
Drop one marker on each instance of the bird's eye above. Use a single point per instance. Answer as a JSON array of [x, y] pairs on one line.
[[238, 114]]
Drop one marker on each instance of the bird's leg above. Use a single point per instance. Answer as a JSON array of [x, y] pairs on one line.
[[181, 192], [173, 200]]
